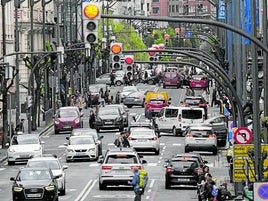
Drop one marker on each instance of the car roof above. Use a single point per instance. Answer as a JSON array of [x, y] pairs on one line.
[[34, 168], [143, 123], [121, 150], [81, 136], [184, 159], [200, 127]]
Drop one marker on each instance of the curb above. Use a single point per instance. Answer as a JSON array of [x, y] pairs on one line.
[[3, 158]]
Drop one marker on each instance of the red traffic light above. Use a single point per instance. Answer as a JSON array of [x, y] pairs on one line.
[[129, 60]]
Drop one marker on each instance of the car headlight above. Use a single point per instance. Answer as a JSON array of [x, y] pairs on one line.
[[50, 188], [37, 149], [17, 189], [91, 149], [118, 119], [57, 122], [70, 150], [98, 119], [77, 120], [10, 149]]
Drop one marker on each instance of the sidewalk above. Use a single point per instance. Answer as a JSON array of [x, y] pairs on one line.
[[40, 130]]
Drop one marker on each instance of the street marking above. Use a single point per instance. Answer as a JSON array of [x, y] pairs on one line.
[[83, 191], [1, 169], [86, 194], [132, 114], [147, 197], [152, 183], [151, 164], [162, 144], [61, 146], [176, 144], [94, 165]]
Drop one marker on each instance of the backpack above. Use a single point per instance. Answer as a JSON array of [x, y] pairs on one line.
[[143, 178], [214, 191]]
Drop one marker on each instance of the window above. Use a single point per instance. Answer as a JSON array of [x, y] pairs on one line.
[[192, 114], [155, 10], [119, 159], [156, 1], [171, 113]]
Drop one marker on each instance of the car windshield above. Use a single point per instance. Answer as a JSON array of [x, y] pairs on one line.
[[197, 133], [130, 89], [52, 164], [91, 133], [23, 140], [192, 101], [184, 164], [156, 101], [121, 159], [110, 111], [67, 113], [170, 75], [192, 114], [81, 140], [26, 175]]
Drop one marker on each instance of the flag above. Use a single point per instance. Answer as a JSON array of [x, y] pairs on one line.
[[247, 19], [17, 13]]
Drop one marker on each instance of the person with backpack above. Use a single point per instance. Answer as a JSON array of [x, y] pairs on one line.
[[143, 179], [121, 140], [136, 182]]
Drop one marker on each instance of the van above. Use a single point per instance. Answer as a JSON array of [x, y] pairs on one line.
[[175, 120]]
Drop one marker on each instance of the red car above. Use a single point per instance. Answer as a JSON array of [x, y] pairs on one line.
[[199, 81], [171, 79], [67, 118]]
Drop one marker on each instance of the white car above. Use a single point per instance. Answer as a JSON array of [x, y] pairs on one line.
[[81, 147], [126, 91], [105, 79], [23, 147], [144, 139], [57, 169], [200, 138]]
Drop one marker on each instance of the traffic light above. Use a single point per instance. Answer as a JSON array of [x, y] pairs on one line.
[[166, 36], [152, 54], [91, 14], [116, 54], [129, 64], [177, 30]]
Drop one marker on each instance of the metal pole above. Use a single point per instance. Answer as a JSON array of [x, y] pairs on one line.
[[3, 4], [265, 70], [255, 90]]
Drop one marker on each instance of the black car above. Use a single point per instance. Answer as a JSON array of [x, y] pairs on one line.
[[193, 155], [34, 184], [109, 118], [181, 171]]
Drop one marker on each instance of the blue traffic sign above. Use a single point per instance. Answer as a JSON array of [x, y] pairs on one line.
[[263, 191]]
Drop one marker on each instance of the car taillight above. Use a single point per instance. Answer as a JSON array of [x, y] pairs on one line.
[[133, 167], [154, 138], [131, 138], [202, 105], [169, 170], [137, 97], [106, 167], [212, 136], [189, 135]]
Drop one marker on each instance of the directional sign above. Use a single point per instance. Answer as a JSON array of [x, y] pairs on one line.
[[260, 191], [243, 135], [240, 163], [242, 150]]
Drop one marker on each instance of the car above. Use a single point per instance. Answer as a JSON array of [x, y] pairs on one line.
[[199, 81], [109, 118], [135, 99], [52, 162], [219, 125], [196, 101], [171, 79], [181, 171], [126, 91], [143, 124], [91, 132], [144, 139], [105, 79], [35, 184], [95, 88], [117, 167], [67, 118], [23, 147], [198, 156], [200, 138], [81, 147], [124, 111]]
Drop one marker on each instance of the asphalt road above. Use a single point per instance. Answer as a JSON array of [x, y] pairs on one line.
[[82, 177]]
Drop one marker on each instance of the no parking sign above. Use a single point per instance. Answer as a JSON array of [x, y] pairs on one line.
[[260, 191], [243, 135]]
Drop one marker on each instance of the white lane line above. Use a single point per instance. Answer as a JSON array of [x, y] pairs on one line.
[[83, 191], [176, 144], [132, 114], [152, 183], [162, 144], [151, 164], [147, 197], [94, 165], [61, 146], [86, 194], [1, 169], [164, 147], [159, 161], [160, 158]]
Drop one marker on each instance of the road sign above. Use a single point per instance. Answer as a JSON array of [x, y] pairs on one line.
[[240, 163], [239, 175], [243, 135], [260, 191], [242, 150]]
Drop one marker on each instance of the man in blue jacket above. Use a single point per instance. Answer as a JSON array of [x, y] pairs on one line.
[[135, 184]]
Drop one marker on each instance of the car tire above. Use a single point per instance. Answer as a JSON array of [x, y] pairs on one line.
[[129, 106], [118, 83], [63, 191], [186, 150], [102, 186], [57, 199], [56, 131], [167, 184], [157, 151], [178, 86], [10, 162], [174, 131], [164, 86]]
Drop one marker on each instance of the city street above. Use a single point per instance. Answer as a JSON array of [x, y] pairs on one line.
[[82, 177]]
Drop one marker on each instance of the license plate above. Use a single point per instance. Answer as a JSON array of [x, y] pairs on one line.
[[108, 122], [167, 83], [24, 156], [80, 154], [121, 171], [36, 195], [142, 140], [66, 127], [183, 179], [198, 85]]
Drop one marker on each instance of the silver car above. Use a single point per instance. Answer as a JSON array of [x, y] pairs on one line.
[[105, 79], [23, 147], [124, 111], [81, 148], [200, 138], [117, 167], [126, 91], [57, 169], [144, 139], [135, 99]]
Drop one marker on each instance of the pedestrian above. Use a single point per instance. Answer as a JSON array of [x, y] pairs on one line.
[[121, 140], [214, 97], [20, 126], [101, 98], [112, 78], [145, 75], [204, 94], [80, 103], [117, 97], [106, 95], [125, 78], [91, 119], [135, 185], [201, 182], [72, 100]]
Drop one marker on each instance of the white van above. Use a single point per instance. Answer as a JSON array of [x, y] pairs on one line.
[[176, 119]]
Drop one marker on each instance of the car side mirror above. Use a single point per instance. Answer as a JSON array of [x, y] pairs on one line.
[[100, 160], [65, 144], [205, 162], [143, 161], [67, 138], [12, 179], [64, 167], [101, 137]]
